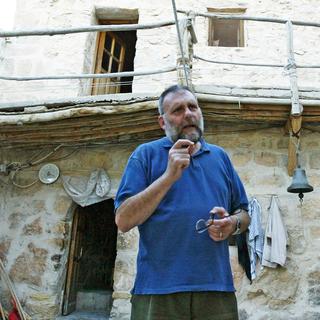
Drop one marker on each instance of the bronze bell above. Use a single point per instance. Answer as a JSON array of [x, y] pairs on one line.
[[299, 183]]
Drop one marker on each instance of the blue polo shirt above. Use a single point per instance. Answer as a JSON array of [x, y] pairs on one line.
[[172, 256]]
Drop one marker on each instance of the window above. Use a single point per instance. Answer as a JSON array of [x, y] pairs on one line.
[[115, 53], [226, 33]]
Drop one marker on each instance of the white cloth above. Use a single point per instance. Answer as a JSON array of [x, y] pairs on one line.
[[255, 235], [88, 191], [276, 238]]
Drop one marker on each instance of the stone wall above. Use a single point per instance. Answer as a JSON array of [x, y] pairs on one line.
[[292, 292], [36, 221], [36, 224], [155, 48]]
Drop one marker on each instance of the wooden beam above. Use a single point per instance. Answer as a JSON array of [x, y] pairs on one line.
[[294, 140]]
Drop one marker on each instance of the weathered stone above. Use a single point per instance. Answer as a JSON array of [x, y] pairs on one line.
[[62, 205], [278, 286], [59, 243], [39, 205], [4, 247], [314, 162], [121, 295], [41, 296], [46, 309], [240, 159], [282, 143], [310, 316], [243, 315], [59, 228], [311, 207], [269, 180], [128, 240], [33, 228], [314, 179], [15, 219], [297, 240], [29, 267], [121, 309], [265, 143], [124, 274], [314, 288], [265, 158], [315, 232]]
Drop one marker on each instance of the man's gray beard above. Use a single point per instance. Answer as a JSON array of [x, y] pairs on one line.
[[194, 137], [173, 135]]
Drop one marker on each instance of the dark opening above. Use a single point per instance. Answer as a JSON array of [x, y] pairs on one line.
[[99, 240], [130, 38]]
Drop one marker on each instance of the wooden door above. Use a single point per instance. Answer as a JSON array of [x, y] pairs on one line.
[[75, 254]]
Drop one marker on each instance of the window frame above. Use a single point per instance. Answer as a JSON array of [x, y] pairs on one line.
[[226, 11], [98, 68]]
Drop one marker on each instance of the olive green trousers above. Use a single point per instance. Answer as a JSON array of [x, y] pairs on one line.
[[209, 305]]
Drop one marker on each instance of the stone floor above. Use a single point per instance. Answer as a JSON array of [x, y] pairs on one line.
[[83, 315]]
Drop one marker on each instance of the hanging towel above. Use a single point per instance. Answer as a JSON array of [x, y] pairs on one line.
[[255, 236], [276, 238]]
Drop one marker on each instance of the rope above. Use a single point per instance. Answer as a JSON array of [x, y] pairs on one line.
[[91, 75]]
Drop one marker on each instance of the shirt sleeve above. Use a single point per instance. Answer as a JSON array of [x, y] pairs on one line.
[[133, 181]]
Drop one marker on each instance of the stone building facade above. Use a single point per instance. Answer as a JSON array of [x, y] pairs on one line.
[[37, 220]]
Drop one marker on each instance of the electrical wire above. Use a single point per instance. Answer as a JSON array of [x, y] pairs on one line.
[[12, 178]]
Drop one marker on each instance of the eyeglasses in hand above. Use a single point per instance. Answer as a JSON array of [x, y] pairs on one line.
[[202, 225]]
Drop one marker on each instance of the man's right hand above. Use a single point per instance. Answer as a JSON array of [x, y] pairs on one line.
[[179, 158]]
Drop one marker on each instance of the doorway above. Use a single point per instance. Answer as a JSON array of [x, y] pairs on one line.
[[89, 280]]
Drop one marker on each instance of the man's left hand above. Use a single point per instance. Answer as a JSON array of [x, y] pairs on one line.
[[222, 227]]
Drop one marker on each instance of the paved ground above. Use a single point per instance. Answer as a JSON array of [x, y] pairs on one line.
[[82, 315]]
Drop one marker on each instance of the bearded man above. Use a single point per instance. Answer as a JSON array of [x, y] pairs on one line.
[[168, 187]]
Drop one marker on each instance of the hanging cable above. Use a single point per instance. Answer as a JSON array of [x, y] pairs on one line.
[[180, 41]]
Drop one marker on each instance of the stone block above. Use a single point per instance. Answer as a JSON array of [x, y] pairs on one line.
[[128, 240], [33, 228], [314, 161], [311, 207], [241, 158], [4, 248], [15, 219], [30, 266], [314, 288], [124, 272], [42, 310], [62, 204], [269, 182], [297, 240], [315, 232], [314, 179], [277, 286], [59, 243], [121, 309], [266, 158], [39, 205], [60, 228]]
